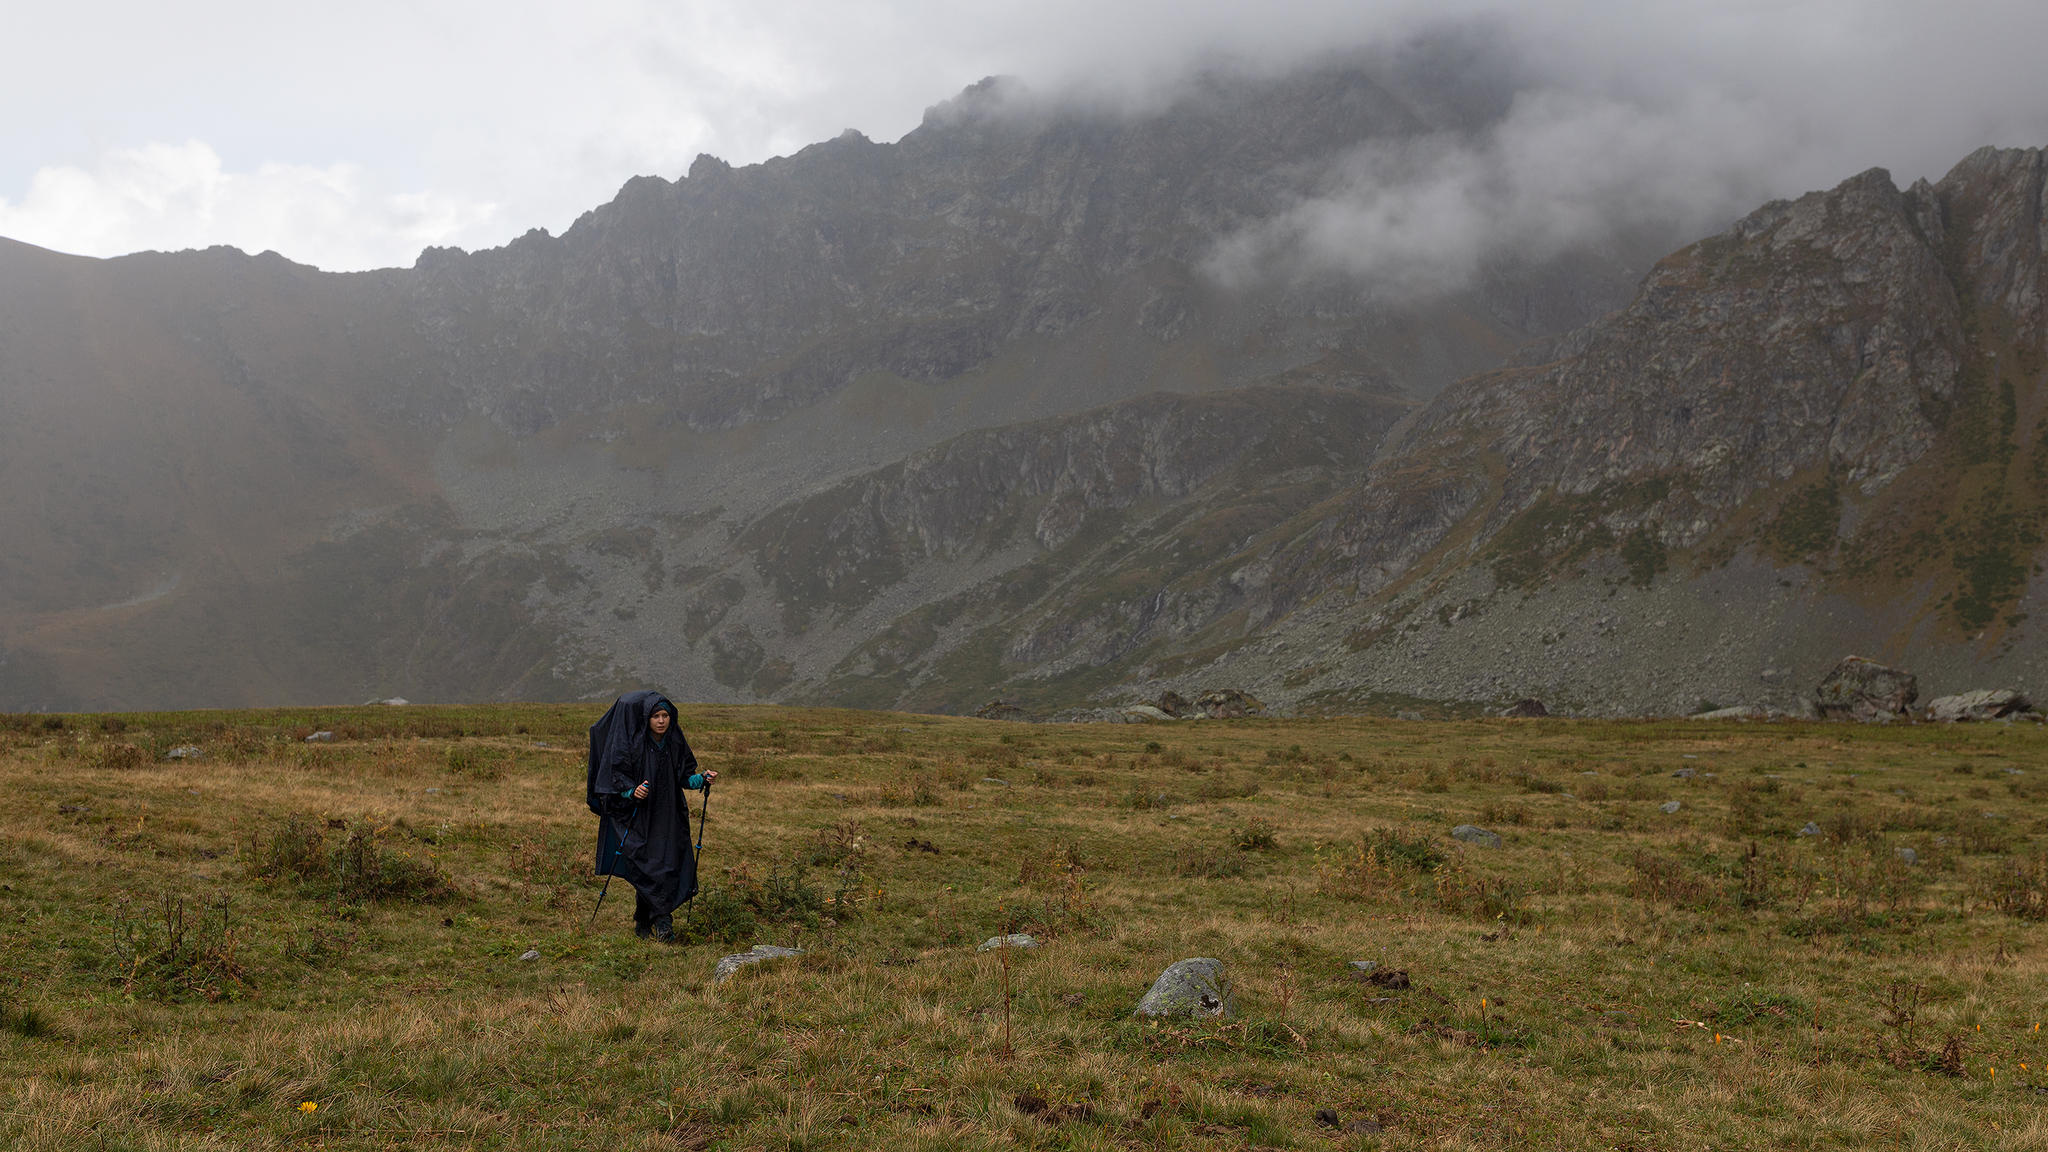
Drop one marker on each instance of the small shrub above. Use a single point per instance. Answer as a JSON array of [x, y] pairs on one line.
[[1504, 812], [475, 762], [2017, 887], [719, 914], [1491, 898], [1227, 788], [166, 956], [1206, 864], [117, 757], [1141, 798], [357, 867], [1257, 835]]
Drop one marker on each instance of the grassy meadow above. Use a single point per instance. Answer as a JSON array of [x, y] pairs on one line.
[[277, 943]]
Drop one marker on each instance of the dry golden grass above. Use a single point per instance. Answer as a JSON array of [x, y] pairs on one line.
[[1614, 976]]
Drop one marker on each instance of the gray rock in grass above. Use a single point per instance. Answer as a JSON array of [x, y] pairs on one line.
[[727, 965], [530, 954], [1014, 940], [1811, 829], [1194, 988], [1476, 836], [1669, 806]]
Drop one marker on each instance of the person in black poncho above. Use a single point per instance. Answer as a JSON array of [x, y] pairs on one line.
[[640, 765]]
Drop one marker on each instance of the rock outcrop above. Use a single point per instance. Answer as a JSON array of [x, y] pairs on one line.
[[1980, 704], [1865, 690]]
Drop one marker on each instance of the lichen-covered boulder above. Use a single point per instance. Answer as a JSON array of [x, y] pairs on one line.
[[1526, 709], [1982, 704], [1476, 836], [1173, 703], [727, 965], [1001, 710], [1193, 988], [1229, 704], [1862, 689]]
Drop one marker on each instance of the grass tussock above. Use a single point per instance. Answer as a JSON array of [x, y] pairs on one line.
[[266, 942]]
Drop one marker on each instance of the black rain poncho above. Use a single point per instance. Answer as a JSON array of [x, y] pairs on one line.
[[647, 842]]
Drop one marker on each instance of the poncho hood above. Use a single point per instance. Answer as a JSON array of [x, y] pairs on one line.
[[621, 733]]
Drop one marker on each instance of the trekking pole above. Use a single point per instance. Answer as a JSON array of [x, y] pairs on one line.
[[703, 814], [616, 853]]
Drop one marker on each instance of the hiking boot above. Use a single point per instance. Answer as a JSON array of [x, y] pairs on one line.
[[664, 930], [642, 929]]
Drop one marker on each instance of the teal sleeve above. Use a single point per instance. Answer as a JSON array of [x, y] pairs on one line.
[[696, 782]]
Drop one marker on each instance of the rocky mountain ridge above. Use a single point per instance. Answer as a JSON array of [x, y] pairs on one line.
[[925, 424], [1820, 432]]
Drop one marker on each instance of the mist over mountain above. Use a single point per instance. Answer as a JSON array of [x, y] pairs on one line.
[[1300, 382]]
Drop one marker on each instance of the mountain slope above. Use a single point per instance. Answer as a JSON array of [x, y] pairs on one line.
[[235, 480], [1820, 432]]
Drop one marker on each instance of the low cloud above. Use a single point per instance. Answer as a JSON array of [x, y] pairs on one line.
[[1425, 214], [543, 108], [172, 196]]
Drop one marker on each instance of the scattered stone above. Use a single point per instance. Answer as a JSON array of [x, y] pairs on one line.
[[1908, 855], [1775, 675], [184, 752], [1194, 987], [1864, 690], [1811, 829], [320, 737], [1669, 807], [727, 965], [1363, 1127], [1144, 714], [397, 702], [1365, 965], [1229, 704], [530, 954], [1015, 940], [1002, 710], [1685, 773], [1738, 712], [1527, 708], [1173, 703], [1476, 836], [1326, 1118], [1407, 715], [1982, 704], [984, 780]]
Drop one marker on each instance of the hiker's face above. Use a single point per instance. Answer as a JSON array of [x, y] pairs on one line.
[[659, 722]]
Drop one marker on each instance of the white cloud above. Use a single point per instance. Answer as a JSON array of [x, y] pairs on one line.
[[1426, 214], [171, 196], [544, 107]]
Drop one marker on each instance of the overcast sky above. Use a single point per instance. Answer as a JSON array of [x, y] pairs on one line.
[[350, 136]]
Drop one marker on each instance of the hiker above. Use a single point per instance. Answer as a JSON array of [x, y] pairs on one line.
[[639, 766]]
